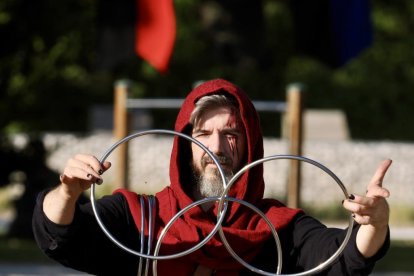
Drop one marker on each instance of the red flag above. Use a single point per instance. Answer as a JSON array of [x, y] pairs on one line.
[[155, 32]]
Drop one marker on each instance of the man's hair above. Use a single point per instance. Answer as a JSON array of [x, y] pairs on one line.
[[210, 102]]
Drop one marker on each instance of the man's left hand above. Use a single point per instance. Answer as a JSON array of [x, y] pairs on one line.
[[372, 208], [372, 212]]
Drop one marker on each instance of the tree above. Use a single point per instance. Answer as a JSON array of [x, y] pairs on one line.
[[51, 63]]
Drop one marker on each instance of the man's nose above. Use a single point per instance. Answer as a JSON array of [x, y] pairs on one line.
[[216, 143]]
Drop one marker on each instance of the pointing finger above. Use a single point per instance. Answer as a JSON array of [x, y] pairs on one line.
[[378, 192], [378, 177]]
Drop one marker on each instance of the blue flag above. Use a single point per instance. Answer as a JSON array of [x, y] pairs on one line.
[[333, 31]]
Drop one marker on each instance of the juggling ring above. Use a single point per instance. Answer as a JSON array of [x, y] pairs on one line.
[[152, 257], [223, 198], [221, 212], [208, 199], [319, 267]]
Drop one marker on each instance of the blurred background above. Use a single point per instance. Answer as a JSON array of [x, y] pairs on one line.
[[60, 60]]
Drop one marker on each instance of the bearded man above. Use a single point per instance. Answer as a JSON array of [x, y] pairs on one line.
[[221, 116]]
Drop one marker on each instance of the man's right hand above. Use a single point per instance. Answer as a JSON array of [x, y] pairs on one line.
[[80, 172]]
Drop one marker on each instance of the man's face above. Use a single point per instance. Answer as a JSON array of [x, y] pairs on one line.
[[221, 132]]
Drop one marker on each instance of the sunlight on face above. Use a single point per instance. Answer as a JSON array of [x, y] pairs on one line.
[[220, 131]]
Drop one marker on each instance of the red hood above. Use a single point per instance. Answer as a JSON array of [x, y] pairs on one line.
[[250, 186]]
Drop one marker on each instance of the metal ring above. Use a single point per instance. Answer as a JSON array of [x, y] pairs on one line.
[[222, 208], [209, 199], [151, 226], [142, 233], [153, 257], [319, 267]]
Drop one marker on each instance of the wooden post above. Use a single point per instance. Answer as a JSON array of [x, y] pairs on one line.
[[294, 120], [121, 129]]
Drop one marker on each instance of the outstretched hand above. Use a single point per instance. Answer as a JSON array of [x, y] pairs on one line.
[[372, 212], [372, 208], [80, 172]]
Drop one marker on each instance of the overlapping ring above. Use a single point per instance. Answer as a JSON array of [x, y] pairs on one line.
[[152, 257], [319, 267], [222, 208]]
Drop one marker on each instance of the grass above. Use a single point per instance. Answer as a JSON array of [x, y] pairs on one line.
[[20, 251], [399, 215]]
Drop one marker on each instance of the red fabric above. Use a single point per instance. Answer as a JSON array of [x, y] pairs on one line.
[[155, 32], [244, 229]]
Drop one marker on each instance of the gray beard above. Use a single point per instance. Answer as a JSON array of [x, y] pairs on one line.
[[209, 186]]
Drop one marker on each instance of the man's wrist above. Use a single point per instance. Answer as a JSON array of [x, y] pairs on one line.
[[66, 194]]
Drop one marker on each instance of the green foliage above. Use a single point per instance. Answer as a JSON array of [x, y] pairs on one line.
[[373, 89], [46, 66], [49, 79]]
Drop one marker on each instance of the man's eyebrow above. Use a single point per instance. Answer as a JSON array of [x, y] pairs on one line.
[[197, 130], [232, 129], [227, 129]]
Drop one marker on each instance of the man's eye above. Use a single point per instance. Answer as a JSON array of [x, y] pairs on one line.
[[231, 136], [198, 135]]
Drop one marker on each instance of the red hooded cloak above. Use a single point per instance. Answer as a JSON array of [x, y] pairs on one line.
[[245, 230]]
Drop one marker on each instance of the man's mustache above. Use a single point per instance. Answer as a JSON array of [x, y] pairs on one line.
[[223, 160]]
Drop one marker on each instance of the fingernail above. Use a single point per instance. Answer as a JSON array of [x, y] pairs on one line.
[[100, 171], [99, 181], [88, 175], [351, 197], [61, 177]]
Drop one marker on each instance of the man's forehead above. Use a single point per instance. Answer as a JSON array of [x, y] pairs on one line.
[[233, 121]]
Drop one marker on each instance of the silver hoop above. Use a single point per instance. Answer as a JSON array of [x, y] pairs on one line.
[[222, 208], [209, 199], [140, 254], [151, 226], [319, 267]]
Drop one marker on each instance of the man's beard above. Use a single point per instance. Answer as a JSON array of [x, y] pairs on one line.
[[211, 184]]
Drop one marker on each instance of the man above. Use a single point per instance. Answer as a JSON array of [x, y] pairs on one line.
[[220, 115]]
